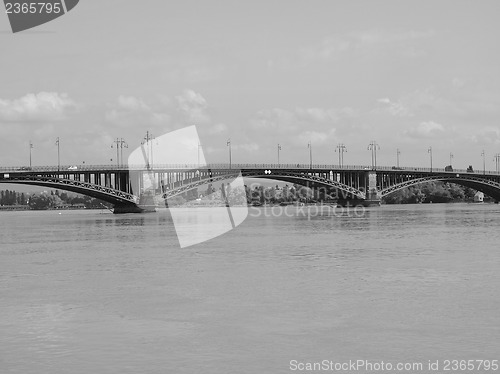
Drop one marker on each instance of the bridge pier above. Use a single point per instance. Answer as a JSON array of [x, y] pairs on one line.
[[127, 208], [373, 197]]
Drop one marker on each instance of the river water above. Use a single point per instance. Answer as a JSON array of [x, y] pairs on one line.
[[93, 292]]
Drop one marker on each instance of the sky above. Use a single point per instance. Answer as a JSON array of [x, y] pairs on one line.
[[407, 74]]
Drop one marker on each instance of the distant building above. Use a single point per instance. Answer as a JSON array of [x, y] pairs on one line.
[[479, 197]]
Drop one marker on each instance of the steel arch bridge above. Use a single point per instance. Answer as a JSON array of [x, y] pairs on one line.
[[122, 186], [310, 180], [489, 186], [120, 199]]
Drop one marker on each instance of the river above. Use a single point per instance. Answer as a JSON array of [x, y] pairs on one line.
[[93, 292]]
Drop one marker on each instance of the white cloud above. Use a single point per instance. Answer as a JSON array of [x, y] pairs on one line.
[[132, 103], [218, 128], [275, 120], [315, 137], [248, 147], [396, 108], [380, 36], [487, 135], [457, 83], [133, 111], [43, 106], [318, 114], [334, 46], [279, 120], [429, 129], [194, 107]]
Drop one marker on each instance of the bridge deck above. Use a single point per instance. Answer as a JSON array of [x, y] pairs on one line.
[[75, 169]]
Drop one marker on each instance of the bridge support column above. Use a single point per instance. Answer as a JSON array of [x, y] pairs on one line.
[[372, 193], [126, 208]]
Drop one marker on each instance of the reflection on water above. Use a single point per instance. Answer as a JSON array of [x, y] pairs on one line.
[[86, 291]]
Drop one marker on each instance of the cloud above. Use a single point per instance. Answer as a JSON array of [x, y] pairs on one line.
[[334, 46], [422, 103], [278, 120], [132, 103], [396, 109], [318, 114], [429, 129], [327, 49], [275, 120], [133, 111], [194, 107], [457, 83], [315, 137], [40, 107], [487, 135], [218, 128], [248, 147], [386, 37]]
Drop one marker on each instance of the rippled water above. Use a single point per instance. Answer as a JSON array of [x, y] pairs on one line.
[[92, 292]]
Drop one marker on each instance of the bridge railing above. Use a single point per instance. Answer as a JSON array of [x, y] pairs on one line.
[[74, 169]]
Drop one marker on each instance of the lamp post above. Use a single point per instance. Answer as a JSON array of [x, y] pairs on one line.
[[228, 144], [497, 162], [398, 152], [429, 151], [309, 145], [373, 147], [149, 148], [451, 157], [31, 147], [120, 144], [341, 148], [58, 155], [279, 149], [484, 161]]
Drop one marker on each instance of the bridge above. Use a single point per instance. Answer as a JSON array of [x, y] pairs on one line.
[[124, 186]]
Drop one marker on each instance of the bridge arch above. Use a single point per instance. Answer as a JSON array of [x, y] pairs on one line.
[[488, 187], [301, 178], [108, 194]]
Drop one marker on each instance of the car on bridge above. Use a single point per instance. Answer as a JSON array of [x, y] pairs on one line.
[[448, 168], [73, 168]]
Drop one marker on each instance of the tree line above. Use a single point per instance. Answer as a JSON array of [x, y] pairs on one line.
[[432, 192], [52, 200]]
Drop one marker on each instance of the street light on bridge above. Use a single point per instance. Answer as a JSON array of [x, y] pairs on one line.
[[309, 145], [451, 157], [228, 144], [429, 151], [149, 147], [341, 148], [484, 161], [497, 161], [31, 147], [373, 147], [120, 144], [58, 155], [279, 149], [398, 152]]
